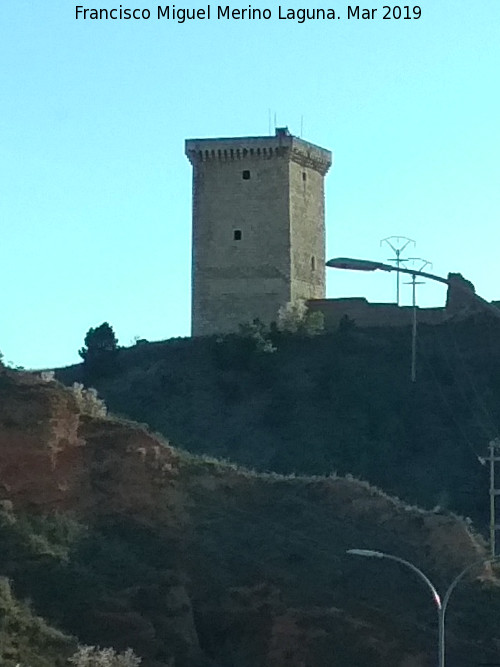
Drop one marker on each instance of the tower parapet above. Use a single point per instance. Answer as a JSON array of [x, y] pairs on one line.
[[282, 145]]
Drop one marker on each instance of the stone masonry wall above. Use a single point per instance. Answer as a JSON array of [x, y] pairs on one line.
[[366, 314], [258, 228], [307, 227]]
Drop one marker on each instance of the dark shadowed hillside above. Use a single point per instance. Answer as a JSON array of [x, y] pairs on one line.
[[118, 539], [337, 402]]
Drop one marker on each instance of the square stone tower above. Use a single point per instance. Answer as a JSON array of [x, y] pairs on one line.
[[258, 228]]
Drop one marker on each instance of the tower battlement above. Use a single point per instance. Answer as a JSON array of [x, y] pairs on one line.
[[282, 145], [258, 227]]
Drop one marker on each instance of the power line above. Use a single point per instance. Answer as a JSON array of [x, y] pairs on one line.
[[485, 425], [489, 417], [398, 244], [423, 264], [448, 406]]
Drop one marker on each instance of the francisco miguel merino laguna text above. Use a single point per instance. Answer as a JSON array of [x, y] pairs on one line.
[[182, 14]]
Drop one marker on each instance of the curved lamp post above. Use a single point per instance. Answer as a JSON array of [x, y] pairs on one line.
[[441, 605], [368, 265], [352, 264]]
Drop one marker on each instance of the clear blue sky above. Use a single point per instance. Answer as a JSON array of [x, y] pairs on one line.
[[95, 194]]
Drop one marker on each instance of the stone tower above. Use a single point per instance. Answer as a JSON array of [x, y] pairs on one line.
[[258, 228]]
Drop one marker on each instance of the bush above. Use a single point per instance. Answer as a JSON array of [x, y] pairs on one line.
[[258, 333], [88, 401], [295, 317], [90, 656]]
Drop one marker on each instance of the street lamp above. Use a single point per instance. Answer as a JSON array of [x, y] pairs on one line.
[[441, 605], [353, 264], [368, 265]]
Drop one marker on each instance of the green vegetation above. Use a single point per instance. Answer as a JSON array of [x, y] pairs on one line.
[[26, 638], [90, 656], [99, 351], [254, 550], [247, 556], [295, 318], [229, 568], [100, 583], [339, 401]]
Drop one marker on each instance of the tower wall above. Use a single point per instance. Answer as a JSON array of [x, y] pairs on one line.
[[307, 231], [257, 224]]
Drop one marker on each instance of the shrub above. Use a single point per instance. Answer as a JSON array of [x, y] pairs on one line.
[[90, 656], [295, 317], [257, 331], [88, 401]]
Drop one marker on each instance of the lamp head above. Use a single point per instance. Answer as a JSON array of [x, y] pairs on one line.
[[365, 552], [353, 264]]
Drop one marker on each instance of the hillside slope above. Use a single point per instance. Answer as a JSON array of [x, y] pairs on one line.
[[121, 540], [25, 638], [341, 401]]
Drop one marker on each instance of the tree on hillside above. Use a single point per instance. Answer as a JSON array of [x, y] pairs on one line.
[[99, 351]]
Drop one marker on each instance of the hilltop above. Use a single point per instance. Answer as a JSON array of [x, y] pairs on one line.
[[118, 538], [340, 402]]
